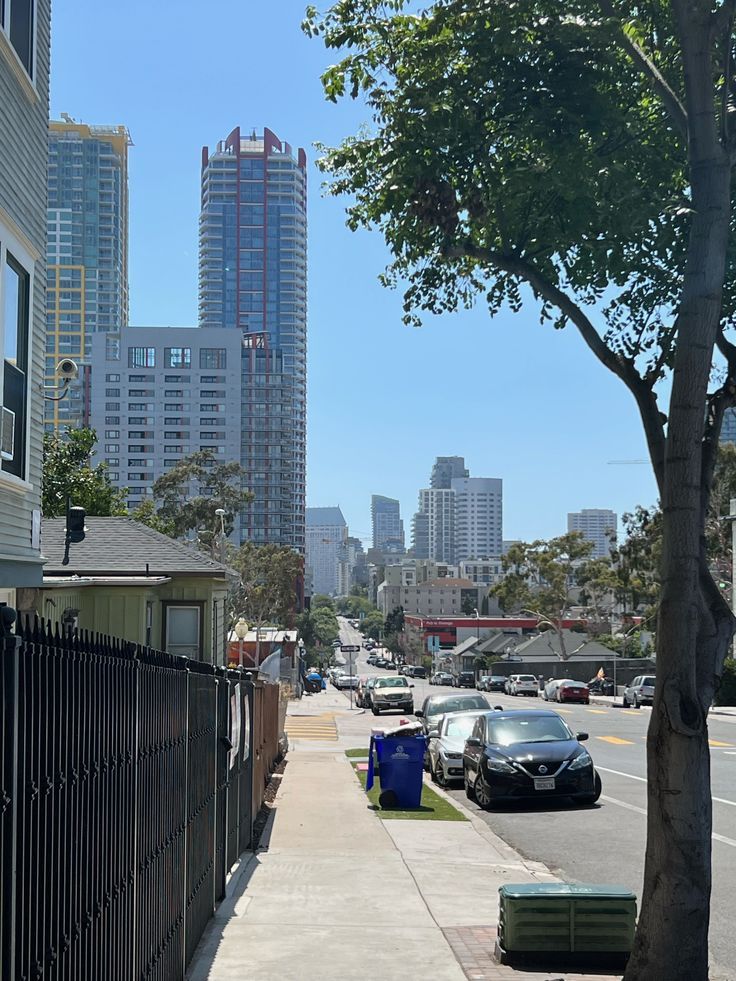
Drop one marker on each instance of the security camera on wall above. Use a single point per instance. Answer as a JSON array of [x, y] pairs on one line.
[[67, 369]]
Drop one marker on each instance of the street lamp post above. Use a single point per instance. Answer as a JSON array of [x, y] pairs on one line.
[[241, 631], [220, 512]]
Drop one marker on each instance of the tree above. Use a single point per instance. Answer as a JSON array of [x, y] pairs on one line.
[[267, 591], [320, 599], [394, 623], [467, 606], [582, 152], [68, 476], [187, 496], [372, 625], [540, 578]]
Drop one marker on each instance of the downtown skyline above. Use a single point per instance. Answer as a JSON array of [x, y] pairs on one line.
[[368, 375]]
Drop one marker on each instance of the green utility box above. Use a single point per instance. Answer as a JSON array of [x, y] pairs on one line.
[[558, 917]]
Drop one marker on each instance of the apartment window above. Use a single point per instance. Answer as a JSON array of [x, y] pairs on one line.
[[113, 475], [141, 357], [112, 393], [213, 393], [139, 378], [174, 393], [112, 420], [141, 393], [172, 449], [112, 406], [141, 406], [177, 378], [112, 447], [172, 434], [212, 380], [212, 357], [112, 434], [15, 289], [112, 378], [18, 21], [176, 406], [178, 357], [211, 407]]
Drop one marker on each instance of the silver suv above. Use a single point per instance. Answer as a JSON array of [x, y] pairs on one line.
[[392, 693], [640, 691]]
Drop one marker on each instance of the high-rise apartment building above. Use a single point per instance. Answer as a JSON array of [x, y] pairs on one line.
[[253, 279], [326, 554], [159, 394], [598, 525], [87, 252], [478, 517], [388, 528], [446, 469], [438, 504]]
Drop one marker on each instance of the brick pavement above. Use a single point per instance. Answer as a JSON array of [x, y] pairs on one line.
[[474, 947]]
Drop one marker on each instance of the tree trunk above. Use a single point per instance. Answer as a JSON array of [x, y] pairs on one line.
[[693, 629]]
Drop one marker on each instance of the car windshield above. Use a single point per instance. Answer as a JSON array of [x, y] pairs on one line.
[[461, 727], [391, 683], [648, 681], [539, 729], [456, 704]]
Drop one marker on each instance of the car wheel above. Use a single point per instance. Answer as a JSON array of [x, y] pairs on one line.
[[482, 792], [432, 772], [626, 702], [597, 790], [637, 703], [439, 775], [469, 791], [376, 711]]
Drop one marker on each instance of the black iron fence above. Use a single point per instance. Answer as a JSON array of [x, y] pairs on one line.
[[129, 780]]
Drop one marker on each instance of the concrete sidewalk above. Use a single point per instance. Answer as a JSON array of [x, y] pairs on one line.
[[335, 892]]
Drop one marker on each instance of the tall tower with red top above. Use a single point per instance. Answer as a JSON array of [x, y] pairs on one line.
[[253, 278]]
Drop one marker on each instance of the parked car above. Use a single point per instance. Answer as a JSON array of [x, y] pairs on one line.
[[443, 702], [335, 643], [368, 691], [640, 691], [497, 682], [360, 692], [527, 755], [601, 686], [573, 691], [441, 678], [549, 692], [446, 743], [346, 681], [371, 659], [392, 693], [524, 684], [464, 679], [415, 671]]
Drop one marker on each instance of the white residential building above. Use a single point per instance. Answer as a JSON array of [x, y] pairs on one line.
[[326, 541], [478, 517], [598, 525], [485, 572]]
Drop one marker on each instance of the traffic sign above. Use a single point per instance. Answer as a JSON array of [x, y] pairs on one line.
[[433, 644], [350, 648]]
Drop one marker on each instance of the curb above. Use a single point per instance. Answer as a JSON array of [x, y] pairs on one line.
[[536, 869]]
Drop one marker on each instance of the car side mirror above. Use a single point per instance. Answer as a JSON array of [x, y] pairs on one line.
[[419, 714], [581, 737], [433, 733], [473, 741]]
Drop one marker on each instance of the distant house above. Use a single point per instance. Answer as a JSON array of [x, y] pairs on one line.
[[124, 579]]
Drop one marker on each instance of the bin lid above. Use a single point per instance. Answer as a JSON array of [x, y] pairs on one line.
[[569, 890]]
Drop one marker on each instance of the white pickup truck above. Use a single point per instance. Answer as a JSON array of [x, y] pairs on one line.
[[392, 693]]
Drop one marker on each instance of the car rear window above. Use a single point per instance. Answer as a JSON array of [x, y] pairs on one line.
[[527, 677], [648, 681], [457, 704]]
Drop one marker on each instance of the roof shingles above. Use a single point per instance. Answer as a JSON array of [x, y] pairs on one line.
[[121, 546]]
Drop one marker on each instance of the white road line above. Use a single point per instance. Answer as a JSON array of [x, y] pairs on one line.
[[604, 769], [640, 810]]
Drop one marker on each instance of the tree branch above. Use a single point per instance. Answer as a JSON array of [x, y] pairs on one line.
[[623, 368], [646, 66], [721, 18]]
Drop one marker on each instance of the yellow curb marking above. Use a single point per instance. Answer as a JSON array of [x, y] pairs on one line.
[[715, 742], [597, 711], [615, 740]]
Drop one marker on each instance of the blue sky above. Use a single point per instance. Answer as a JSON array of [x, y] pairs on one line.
[[518, 400]]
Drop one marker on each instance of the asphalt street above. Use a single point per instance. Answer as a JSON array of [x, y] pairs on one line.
[[606, 843]]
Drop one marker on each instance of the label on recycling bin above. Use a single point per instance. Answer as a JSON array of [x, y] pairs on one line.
[[399, 754]]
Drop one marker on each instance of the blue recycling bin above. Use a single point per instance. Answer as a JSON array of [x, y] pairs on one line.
[[400, 769]]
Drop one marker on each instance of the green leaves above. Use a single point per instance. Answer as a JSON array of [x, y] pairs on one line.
[[67, 474]]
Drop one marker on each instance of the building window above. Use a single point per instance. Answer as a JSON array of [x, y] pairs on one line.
[[112, 447], [213, 357], [141, 357], [112, 393], [177, 378], [178, 357], [18, 21], [140, 378], [112, 420], [15, 289], [182, 629], [112, 378]]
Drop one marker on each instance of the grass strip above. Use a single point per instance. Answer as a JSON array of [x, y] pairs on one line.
[[363, 753], [432, 808]]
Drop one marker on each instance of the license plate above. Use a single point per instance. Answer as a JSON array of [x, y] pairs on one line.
[[544, 783]]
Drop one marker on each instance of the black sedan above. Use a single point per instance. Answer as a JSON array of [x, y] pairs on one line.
[[527, 756]]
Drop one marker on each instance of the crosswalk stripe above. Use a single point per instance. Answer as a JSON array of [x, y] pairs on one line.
[[616, 740]]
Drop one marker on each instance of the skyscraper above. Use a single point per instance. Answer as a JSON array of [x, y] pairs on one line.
[[253, 278], [478, 517], [445, 469], [87, 272], [326, 540], [597, 525], [388, 528]]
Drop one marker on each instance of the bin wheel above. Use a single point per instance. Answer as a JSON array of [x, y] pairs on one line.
[[388, 799]]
